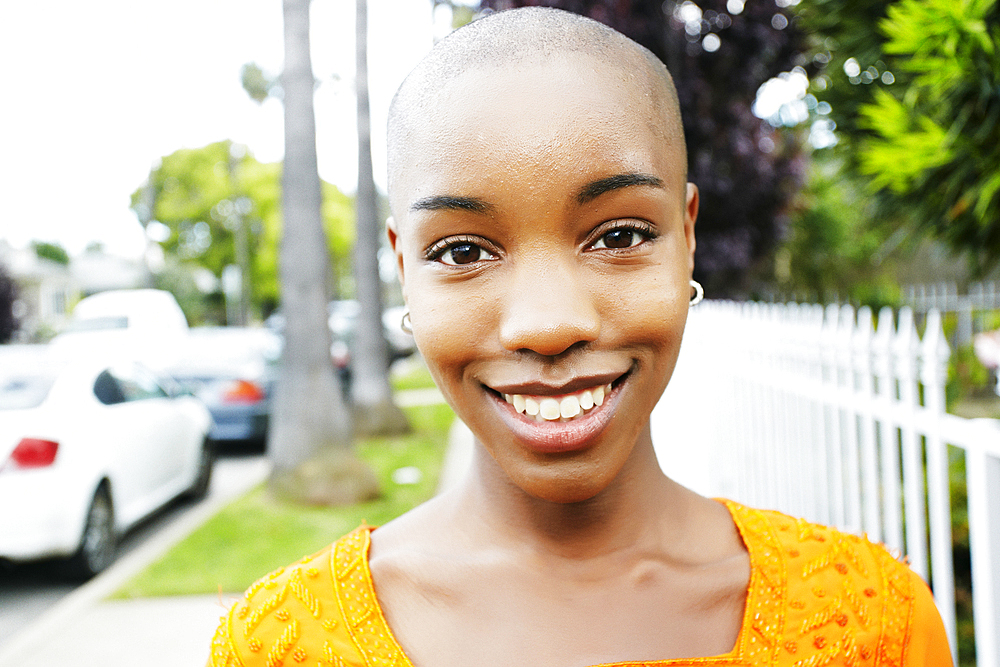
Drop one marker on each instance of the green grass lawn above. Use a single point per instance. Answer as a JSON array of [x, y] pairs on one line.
[[256, 534], [412, 374]]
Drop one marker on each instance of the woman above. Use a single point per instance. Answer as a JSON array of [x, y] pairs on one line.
[[544, 234]]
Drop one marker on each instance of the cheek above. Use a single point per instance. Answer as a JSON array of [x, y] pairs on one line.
[[449, 325], [647, 307]]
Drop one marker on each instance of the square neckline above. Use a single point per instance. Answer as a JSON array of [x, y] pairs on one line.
[[733, 657]]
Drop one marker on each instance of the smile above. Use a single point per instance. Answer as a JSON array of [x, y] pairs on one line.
[[563, 408], [558, 423]]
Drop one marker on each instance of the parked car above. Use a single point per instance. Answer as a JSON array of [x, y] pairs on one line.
[[141, 321], [342, 319], [232, 370], [88, 447]]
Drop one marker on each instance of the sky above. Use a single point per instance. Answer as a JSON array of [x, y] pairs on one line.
[[95, 92]]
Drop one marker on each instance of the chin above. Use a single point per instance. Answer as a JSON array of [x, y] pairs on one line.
[[563, 490]]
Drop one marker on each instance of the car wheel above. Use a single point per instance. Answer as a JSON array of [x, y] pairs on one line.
[[206, 461], [99, 543]]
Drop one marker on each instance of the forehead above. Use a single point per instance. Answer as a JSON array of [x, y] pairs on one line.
[[571, 116]]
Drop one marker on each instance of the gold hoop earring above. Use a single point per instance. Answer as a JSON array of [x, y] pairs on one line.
[[698, 293], [405, 324]]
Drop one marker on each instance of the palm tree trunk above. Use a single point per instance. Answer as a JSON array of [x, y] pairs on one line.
[[310, 443], [375, 413]]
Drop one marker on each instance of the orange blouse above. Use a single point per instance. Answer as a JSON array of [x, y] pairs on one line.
[[816, 597]]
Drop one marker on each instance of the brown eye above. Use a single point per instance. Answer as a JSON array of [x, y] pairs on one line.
[[464, 253], [619, 239]]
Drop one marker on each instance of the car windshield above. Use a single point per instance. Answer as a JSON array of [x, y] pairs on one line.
[[98, 324], [24, 391]]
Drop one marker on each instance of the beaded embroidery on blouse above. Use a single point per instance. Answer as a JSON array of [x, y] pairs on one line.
[[816, 597]]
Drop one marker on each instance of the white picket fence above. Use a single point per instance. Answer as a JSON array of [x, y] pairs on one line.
[[979, 298], [819, 413]]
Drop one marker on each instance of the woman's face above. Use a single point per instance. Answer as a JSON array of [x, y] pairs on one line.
[[545, 238]]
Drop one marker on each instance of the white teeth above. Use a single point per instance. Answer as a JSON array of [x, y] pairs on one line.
[[549, 409], [530, 406], [545, 408], [569, 407]]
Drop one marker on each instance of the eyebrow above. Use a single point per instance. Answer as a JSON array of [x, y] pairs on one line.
[[593, 190], [587, 193], [451, 203]]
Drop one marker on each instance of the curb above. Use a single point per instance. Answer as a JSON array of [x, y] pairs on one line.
[[77, 603]]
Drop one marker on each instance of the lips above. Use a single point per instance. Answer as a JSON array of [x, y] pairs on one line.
[[558, 423]]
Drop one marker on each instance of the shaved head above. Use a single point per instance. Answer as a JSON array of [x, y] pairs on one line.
[[524, 38]]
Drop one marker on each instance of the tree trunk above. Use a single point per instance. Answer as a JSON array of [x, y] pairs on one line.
[[374, 411], [310, 443]]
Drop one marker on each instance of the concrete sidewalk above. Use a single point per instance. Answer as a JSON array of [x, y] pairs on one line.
[[85, 629]]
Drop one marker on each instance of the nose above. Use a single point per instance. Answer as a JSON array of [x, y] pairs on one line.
[[547, 308]]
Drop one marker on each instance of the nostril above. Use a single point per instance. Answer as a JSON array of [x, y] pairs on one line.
[[548, 336]]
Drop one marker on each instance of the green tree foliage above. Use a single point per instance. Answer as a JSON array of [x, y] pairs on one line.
[[256, 83], [914, 87], [8, 295], [832, 250], [203, 194], [935, 144], [51, 251]]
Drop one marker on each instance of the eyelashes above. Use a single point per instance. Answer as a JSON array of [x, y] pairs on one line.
[[620, 236], [459, 250], [623, 235]]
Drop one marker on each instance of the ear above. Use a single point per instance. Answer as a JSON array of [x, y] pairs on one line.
[[397, 246], [690, 216]]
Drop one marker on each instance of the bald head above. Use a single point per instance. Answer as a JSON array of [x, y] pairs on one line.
[[527, 37]]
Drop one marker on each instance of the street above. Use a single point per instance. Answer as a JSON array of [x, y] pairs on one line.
[[27, 591]]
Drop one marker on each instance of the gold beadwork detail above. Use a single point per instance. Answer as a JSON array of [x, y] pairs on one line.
[[841, 547], [791, 647], [257, 585], [283, 645], [282, 614], [302, 593], [269, 605], [254, 644], [312, 572], [846, 647], [299, 655], [328, 655], [329, 624]]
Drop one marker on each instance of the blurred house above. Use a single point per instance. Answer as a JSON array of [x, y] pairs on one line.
[[49, 289]]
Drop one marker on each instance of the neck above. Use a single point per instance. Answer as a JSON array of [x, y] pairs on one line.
[[639, 509]]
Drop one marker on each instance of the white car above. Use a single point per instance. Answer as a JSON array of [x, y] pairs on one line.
[[144, 322], [88, 447]]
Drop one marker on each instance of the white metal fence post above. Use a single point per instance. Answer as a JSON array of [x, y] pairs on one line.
[[888, 445], [869, 447], [983, 480], [912, 452], [933, 374]]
